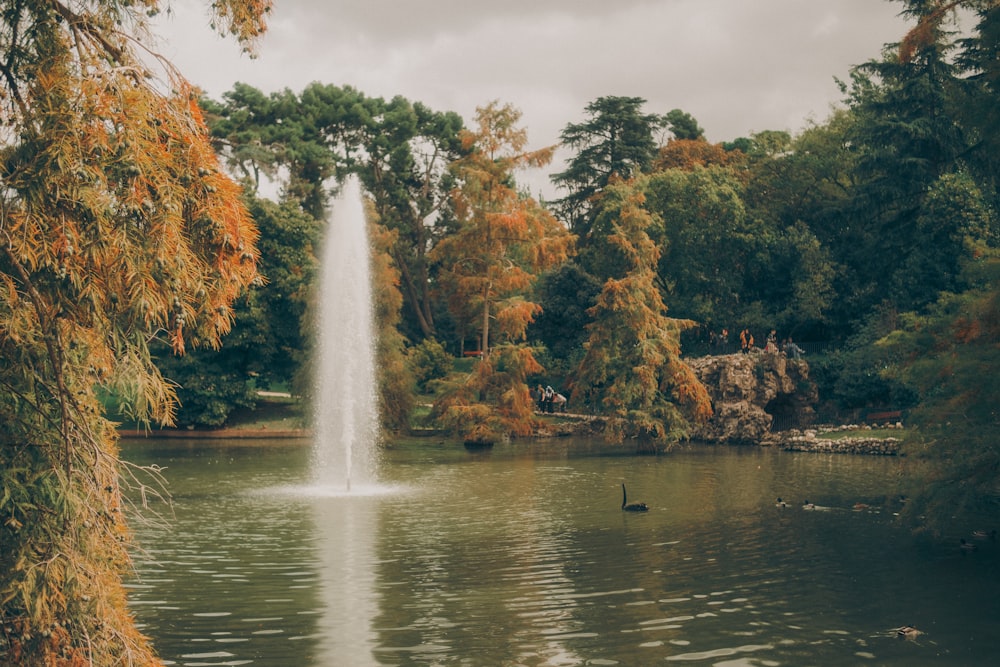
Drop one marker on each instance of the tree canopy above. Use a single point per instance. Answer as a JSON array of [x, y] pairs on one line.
[[632, 371], [118, 227], [489, 264]]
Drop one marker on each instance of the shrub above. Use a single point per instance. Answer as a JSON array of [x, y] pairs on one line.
[[429, 361]]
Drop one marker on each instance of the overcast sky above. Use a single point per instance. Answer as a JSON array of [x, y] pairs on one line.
[[737, 66]]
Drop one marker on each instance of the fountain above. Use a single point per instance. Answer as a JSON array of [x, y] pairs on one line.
[[344, 452]]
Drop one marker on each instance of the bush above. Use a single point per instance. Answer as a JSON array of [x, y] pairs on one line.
[[428, 361]]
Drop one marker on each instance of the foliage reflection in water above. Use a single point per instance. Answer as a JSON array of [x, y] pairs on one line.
[[523, 557]]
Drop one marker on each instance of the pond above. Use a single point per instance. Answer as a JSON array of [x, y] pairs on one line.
[[522, 556]]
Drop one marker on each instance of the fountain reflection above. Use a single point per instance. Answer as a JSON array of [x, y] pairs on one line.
[[345, 529]]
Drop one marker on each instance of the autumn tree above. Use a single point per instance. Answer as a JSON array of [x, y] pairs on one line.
[[394, 376], [487, 266], [689, 153], [632, 371], [117, 227]]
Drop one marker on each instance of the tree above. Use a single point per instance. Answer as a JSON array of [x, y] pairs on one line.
[[616, 143], [408, 152], [689, 153], [487, 268], [400, 150], [906, 139], [632, 371], [503, 240], [117, 226], [707, 241], [267, 344], [395, 380], [950, 357], [978, 108], [246, 128], [565, 294], [683, 126]]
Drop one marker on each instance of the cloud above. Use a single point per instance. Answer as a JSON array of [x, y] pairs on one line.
[[738, 67]]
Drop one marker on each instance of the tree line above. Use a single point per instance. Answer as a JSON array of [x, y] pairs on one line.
[[829, 236], [850, 236]]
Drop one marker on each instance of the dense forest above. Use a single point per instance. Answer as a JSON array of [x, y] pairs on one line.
[[868, 239], [136, 240]]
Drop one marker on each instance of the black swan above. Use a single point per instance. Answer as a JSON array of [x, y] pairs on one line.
[[631, 507]]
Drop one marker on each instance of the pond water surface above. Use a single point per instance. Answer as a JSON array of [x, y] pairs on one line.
[[522, 556]]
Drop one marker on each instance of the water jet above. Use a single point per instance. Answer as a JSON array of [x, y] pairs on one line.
[[346, 410]]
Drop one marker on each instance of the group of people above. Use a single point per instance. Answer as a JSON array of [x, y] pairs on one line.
[[549, 400], [720, 343]]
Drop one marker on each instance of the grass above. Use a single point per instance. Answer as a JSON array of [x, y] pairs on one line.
[[272, 413]]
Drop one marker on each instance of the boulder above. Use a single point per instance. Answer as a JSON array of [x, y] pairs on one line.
[[754, 394]]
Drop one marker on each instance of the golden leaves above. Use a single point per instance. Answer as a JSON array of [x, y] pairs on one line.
[[118, 227], [243, 19]]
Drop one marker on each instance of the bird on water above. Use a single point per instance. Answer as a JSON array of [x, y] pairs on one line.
[[631, 507]]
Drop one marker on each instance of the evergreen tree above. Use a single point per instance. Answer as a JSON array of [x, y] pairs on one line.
[[906, 138], [616, 142], [632, 372], [950, 358]]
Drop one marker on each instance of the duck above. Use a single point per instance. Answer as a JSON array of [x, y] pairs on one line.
[[908, 632], [808, 505], [780, 503], [966, 546], [631, 507], [983, 535]]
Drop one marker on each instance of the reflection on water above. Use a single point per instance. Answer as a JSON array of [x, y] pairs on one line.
[[523, 557], [346, 529]]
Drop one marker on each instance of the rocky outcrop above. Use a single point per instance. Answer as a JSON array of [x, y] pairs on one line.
[[752, 394], [844, 439]]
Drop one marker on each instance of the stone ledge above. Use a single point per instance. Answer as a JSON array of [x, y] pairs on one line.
[[798, 441]]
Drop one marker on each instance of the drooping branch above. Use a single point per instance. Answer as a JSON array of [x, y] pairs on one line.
[[53, 346]]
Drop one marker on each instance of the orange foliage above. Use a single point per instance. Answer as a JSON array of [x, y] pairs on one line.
[[687, 154], [632, 371], [118, 228], [504, 240]]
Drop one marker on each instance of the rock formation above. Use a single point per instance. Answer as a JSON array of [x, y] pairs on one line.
[[753, 394]]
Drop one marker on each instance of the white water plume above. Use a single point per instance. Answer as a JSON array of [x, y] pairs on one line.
[[346, 440]]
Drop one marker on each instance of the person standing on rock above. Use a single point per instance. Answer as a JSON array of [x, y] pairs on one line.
[[772, 342]]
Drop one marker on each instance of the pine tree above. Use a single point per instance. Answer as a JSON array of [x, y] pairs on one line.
[[632, 371]]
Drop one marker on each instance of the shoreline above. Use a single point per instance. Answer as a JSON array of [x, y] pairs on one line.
[[218, 434], [808, 441]]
